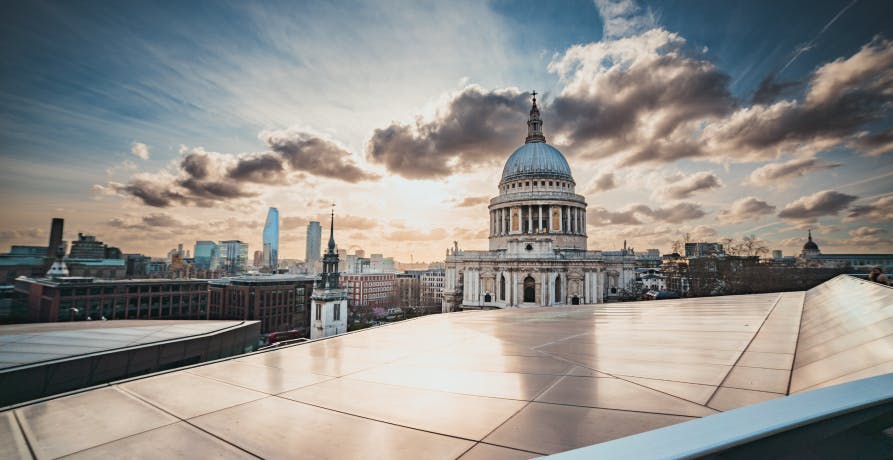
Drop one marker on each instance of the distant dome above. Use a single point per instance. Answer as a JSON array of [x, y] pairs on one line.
[[810, 246], [536, 160]]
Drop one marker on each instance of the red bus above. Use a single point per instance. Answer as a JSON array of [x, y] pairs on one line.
[[274, 337]]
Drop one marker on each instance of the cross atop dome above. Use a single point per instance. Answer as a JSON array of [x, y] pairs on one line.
[[534, 123]]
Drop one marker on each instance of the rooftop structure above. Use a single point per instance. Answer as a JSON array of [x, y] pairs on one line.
[[43, 359], [516, 383]]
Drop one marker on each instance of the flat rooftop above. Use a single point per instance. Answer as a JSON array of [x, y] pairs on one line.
[[22, 344], [515, 383]]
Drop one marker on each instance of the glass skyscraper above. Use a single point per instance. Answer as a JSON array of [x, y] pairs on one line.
[[314, 241], [271, 239], [207, 255]]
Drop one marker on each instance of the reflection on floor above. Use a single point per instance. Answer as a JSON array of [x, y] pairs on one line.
[[497, 384]]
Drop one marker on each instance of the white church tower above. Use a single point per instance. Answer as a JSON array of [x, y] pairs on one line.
[[328, 304]]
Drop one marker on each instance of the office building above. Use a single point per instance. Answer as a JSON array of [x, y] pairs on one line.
[[375, 290], [234, 256], [270, 248], [207, 255], [314, 241]]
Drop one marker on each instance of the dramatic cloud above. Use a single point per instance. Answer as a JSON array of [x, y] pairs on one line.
[[689, 185], [140, 150], [745, 209], [150, 222], [315, 155], [475, 127], [621, 18], [637, 214], [203, 178], [843, 96], [779, 174], [649, 98], [470, 201], [824, 203], [640, 97], [881, 210], [605, 182]]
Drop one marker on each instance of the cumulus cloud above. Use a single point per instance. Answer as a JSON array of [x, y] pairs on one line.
[[745, 209], [687, 186], [779, 174], [602, 183], [315, 155], [640, 97], [470, 201], [204, 178], [650, 98], [842, 96], [140, 150], [475, 127], [823, 203], [639, 213], [881, 210]]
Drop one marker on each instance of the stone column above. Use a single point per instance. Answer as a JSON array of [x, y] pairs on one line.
[[529, 219]]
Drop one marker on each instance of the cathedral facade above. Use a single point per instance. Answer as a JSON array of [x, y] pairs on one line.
[[538, 252]]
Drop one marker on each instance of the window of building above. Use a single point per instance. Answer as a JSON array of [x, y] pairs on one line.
[[336, 313], [318, 312]]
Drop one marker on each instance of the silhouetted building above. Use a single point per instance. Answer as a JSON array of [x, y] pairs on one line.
[[56, 228], [87, 247]]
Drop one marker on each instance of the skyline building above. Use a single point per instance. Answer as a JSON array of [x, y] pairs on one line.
[[56, 229], [207, 255], [538, 252], [313, 247], [234, 256], [270, 248]]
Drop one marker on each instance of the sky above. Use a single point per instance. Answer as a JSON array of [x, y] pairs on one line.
[[153, 124]]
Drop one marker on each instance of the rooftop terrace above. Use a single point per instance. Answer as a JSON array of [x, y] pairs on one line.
[[515, 383]]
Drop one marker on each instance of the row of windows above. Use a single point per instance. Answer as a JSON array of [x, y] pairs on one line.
[[336, 312], [540, 183]]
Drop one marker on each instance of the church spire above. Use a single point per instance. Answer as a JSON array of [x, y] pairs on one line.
[[534, 124], [810, 235], [332, 231]]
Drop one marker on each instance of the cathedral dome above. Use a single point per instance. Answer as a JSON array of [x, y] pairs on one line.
[[810, 245], [536, 160]]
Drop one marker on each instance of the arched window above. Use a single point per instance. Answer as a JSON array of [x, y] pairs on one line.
[[501, 287], [557, 289], [529, 290]]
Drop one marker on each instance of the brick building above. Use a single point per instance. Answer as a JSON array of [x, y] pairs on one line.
[[370, 289], [279, 302]]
